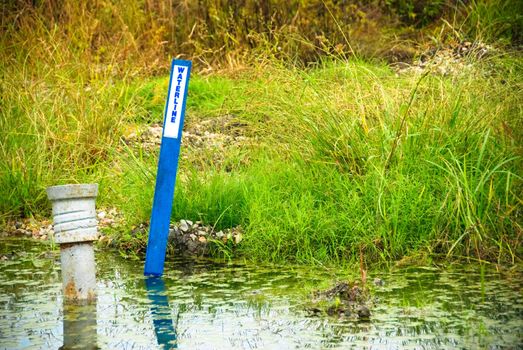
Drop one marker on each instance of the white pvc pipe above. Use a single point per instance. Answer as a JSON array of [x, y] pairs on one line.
[[75, 227]]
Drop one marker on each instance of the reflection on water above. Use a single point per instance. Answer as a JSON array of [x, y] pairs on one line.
[[161, 313], [204, 305], [79, 326]]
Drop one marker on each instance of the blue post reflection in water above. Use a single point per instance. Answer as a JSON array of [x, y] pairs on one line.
[[161, 313]]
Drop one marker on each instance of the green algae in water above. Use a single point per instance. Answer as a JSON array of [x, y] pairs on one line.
[[200, 304]]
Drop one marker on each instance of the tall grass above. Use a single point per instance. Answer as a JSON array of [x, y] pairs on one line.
[[134, 37], [323, 182], [494, 21], [452, 185], [342, 157], [54, 128]]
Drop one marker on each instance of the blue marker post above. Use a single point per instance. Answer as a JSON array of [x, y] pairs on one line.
[[167, 167]]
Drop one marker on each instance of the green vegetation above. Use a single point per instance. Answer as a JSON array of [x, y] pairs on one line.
[[340, 158]]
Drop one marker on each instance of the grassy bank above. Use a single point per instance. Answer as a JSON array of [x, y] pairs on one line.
[[323, 164], [332, 161]]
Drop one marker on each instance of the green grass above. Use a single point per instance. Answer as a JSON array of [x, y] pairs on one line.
[[339, 158], [347, 157]]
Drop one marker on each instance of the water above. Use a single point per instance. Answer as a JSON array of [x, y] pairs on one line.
[[204, 305]]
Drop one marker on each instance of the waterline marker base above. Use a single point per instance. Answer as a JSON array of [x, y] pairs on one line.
[[167, 167]]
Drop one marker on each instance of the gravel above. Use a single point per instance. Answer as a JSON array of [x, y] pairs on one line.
[[451, 60]]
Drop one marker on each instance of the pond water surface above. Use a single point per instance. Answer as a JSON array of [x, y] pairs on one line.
[[201, 304]]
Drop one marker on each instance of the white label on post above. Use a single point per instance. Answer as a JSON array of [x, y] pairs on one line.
[[175, 102]]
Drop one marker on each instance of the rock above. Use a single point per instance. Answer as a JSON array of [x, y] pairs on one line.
[[339, 290], [346, 299], [314, 311], [106, 221], [363, 312], [379, 282], [192, 247], [157, 131], [449, 60], [194, 239], [102, 214], [238, 238], [184, 226]]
